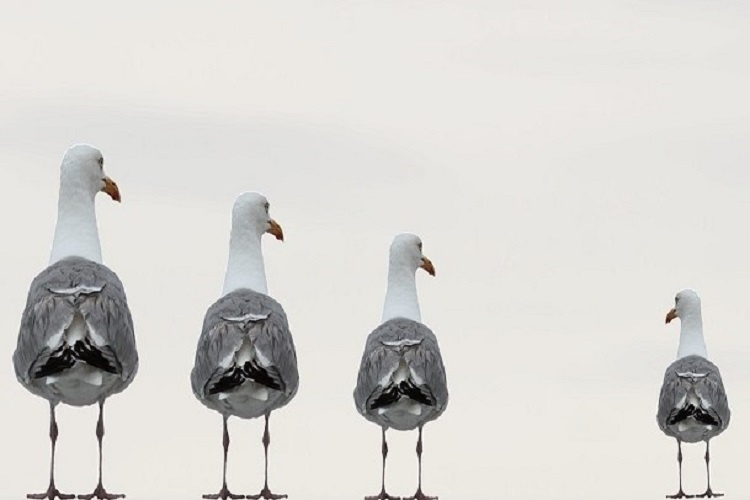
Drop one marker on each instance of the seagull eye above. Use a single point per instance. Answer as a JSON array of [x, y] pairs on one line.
[[267, 206], [101, 162], [420, 246]]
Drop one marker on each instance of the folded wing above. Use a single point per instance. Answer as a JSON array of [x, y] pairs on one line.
[[401, 361], [76, 312], [693, 393], [245, 337]]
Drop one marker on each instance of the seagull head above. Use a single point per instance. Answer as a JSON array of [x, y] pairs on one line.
[[686, 303], [406, 251], [252, 212], [83, 168]]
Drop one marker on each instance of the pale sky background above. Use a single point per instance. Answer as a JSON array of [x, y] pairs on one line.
[[569, 165]]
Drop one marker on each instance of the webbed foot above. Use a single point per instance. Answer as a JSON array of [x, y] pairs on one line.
[[420, 496], [266, 494], [51, 494], [224, 494], [383, 496], [101, 494], [680, 494], [709, 494]]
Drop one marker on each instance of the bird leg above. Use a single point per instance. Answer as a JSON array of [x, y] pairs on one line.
[[419, 495], [52, 492], [680, 494], [383, 495], [265, 492], [224, 492], [99, 491], [708, 492]]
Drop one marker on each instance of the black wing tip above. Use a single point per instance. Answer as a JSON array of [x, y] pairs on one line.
[[262, 376], [395, 392], [699, 414], [229, 381], [93, 356], [238, 375], [418, 394], [56, 364], [67, 356], [385, 398]]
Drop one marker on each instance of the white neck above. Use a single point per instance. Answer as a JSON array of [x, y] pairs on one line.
[[401, 299], [76, 233], [245, 268], [691, 336]]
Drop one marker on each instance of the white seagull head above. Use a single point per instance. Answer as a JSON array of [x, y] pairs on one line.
[[251, 211], [686, 303], [83, 170], [406, 252]]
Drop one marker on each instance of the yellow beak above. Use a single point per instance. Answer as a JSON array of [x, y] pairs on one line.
[[275, 229], [427, 266], [110, 187], [672, 314]]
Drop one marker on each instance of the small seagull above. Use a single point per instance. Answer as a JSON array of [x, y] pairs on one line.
[[693, 404], [401, 382]]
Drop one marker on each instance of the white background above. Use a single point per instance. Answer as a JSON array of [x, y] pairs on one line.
[[569, 165]]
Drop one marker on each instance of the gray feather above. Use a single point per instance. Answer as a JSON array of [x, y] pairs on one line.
[[224, 332], [69, 286], [384, 350], [693, 375]]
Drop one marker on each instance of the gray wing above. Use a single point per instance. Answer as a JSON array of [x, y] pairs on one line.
[[693, 373], [377, 365], [427, 363], [393, 341], [231, 320], [69, 286]]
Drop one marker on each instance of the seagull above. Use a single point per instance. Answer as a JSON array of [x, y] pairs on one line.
[[693, 404], [245, 363], [401, 382], [76, 343]]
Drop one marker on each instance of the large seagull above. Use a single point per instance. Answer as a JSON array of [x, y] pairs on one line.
[[76, 343]]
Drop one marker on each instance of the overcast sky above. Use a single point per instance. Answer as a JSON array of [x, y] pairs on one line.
[[568, 167]]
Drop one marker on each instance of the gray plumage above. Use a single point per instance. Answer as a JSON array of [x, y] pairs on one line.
[[66, 292], [693, 404], [244, 320], [401, 351]]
